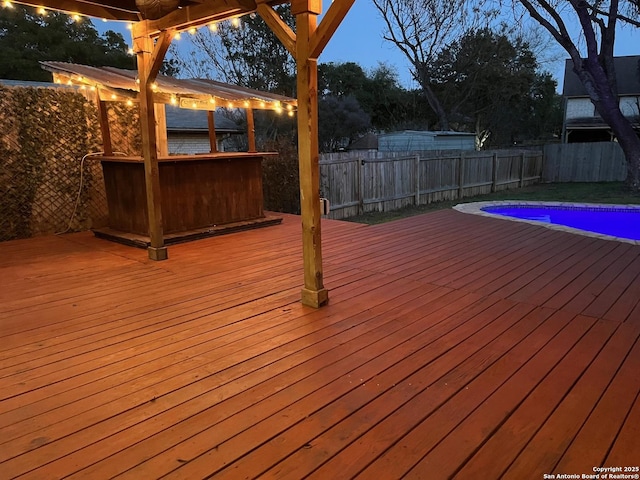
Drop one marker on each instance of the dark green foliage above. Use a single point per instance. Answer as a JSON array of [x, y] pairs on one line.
[[45, 133], [341, 120], [490, 84], [280, 177], [27, 38]]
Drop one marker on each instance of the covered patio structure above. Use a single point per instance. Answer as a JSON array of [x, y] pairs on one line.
[[454, 346], [155, 23]]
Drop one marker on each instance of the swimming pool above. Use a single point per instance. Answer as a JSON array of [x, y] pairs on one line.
[[611, 222]]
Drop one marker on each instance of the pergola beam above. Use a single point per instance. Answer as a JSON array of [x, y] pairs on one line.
[[328, 26], [278, 27], [198, 15], [91, 9]]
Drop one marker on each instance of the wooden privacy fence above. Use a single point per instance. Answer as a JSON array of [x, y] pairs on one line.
[[361, 182], [584, 162]]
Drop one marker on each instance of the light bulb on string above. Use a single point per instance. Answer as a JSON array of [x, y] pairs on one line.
[[213, 27]]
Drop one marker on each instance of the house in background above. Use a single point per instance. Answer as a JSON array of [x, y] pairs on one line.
[[414, 141], [581, 122], [188, 131]]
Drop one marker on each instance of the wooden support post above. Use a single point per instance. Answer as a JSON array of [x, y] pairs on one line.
[[162, 141], [213, 141], [522, 159], [251, 130], [149, 61], [103, 116], [305, 45], [313, 294]]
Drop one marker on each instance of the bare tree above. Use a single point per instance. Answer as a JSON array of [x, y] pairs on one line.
[[422, 28], [591, 52]]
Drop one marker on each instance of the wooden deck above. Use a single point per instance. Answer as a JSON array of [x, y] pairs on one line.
[[453, 346]]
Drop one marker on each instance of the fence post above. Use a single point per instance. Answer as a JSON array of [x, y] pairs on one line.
[[360, 186], [461, 176], [522, 169], [417, 180], [494, 172]]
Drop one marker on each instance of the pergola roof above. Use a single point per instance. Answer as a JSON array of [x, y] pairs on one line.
[[155, 23], [128, 10], [199, 94]]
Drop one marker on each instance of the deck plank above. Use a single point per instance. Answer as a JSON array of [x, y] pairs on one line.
[[454, 344]]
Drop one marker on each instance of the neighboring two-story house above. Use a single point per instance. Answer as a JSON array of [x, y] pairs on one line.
[[581, 121]]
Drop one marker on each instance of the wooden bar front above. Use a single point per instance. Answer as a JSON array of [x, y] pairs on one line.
[[198, 191]]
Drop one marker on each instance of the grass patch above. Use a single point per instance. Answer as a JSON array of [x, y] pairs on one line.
[[603, 192]]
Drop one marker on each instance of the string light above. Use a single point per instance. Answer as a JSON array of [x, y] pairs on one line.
[[230, 105], [212, 101], [262, 104], [213, 27], [131, 52], [289, 107], [246, 104], [75, 17], [129, 26], [235, 21], [113, 96], [154, 86], [42, 11], [129, 103], [177, 36], [192, 30], [7, 4], [290, 113], [174, 100]]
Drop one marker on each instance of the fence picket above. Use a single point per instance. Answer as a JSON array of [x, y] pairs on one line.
[[380, 181]]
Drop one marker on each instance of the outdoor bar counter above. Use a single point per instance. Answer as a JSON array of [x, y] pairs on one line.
[[201, 195]]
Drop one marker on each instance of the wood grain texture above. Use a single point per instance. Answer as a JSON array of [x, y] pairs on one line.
[[454, 346]]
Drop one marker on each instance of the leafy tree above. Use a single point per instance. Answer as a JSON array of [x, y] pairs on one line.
[[490, 85], [27, 38], [591, 51], [422, 28], [248, 55], [340, 120], [378, 92]]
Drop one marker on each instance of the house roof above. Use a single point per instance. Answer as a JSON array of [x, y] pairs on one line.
[[627, 77], [189, 93], [183, 120], [427, 133]]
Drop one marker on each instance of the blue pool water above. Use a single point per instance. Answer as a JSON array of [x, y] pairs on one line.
[[617, 222]]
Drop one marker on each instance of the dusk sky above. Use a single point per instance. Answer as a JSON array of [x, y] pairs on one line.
[[359, 39]]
